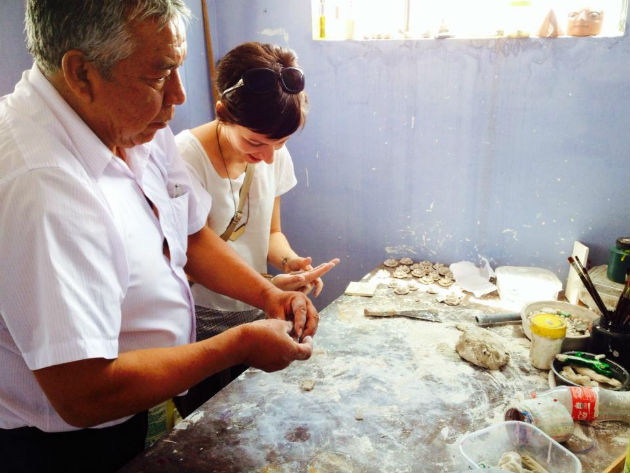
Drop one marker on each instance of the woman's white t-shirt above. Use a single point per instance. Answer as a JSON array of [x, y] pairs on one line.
[[269, 181]]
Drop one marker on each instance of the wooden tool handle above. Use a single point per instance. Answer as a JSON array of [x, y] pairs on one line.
[[379, 313], [617, 465]]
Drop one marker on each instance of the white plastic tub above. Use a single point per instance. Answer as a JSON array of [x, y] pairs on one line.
[[483, 448], [521, 285]]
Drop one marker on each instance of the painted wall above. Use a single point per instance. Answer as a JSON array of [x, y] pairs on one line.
[[441, 150], [450, 149]]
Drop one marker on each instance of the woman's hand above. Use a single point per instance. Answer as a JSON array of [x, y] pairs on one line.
[[301, 276]]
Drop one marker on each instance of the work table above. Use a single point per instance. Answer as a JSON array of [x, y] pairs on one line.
[[388, 395]]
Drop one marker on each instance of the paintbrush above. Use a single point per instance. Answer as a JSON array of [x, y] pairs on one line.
[[590, 287]]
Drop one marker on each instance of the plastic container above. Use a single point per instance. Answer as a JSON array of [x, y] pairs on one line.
[[615, 345], [587, 404], [545, 413], [581, 403], [548, 332], [521, 285], [483, 448], [619, 260], [575, 340]]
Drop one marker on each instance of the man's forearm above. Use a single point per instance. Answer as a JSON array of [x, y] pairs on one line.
[[89, 392], [212, 263]]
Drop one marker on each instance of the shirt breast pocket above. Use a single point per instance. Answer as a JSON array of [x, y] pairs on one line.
[[179, 218]]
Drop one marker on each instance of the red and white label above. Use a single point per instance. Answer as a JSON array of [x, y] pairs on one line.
[[584, 401]]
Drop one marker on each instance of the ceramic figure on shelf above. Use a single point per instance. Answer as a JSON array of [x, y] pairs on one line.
[[585, 21]]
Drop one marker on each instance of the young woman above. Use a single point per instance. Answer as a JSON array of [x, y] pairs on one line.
[[261, 104]]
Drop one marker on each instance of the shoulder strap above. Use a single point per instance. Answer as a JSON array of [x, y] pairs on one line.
[[242, 198]]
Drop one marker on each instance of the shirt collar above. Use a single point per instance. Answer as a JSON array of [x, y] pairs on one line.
[[90, 149]]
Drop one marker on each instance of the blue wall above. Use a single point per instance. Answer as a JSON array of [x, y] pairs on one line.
[[436, 149], [450, 149]]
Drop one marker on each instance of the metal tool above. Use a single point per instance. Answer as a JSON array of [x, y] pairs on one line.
[[485, 320], [428, 315]]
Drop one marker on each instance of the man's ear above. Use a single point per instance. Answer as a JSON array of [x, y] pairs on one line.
[[78, 74]]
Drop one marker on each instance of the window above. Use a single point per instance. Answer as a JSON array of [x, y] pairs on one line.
[[403, 19]]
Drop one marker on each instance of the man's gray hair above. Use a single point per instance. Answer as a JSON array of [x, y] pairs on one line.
[[96, 27]]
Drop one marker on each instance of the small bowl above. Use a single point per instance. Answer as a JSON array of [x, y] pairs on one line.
[[619, 372], [571, 342]]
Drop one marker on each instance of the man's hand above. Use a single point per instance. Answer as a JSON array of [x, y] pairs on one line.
[[304, 280], [295, 307], [269, 346]]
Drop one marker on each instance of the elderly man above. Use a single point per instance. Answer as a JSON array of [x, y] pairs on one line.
[[99, 229]]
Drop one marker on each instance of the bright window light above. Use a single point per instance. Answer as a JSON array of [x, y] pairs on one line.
[[402, 19]]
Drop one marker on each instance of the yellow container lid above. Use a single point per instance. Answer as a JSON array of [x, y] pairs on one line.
[[548, 325]]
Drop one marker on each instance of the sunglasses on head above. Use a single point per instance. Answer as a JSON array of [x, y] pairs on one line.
[[263, 79]]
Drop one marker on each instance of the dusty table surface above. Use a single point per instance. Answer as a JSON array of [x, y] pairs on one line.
[[388, 395]]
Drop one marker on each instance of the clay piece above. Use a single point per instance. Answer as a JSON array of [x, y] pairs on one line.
[[418, 273], [406, 261], [532, 465], [445, 282], [435, 275], [307, 384], [481, 347], [568, 373], [391, 263], [452, 299], [426, 279], [415, 266], [511, 461], [402, 289], [393, 284], [413, 285], [600, 378], [517, 463], [443, 270], [401, 273]]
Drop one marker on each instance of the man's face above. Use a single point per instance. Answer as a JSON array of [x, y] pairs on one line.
[[140, 95]]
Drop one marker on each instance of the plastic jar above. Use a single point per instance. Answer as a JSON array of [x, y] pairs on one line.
[[548, 332], [548, 415], [619, 260]]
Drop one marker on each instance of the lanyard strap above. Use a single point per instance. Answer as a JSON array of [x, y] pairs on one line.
[[242, 198]]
